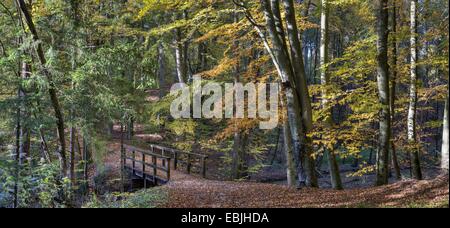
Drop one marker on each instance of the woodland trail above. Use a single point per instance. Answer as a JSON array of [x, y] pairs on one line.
[[187, 191]]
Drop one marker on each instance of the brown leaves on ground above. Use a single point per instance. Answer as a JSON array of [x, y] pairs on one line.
[[198, 193], [187, 191]]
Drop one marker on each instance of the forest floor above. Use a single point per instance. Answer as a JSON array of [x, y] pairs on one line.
[[187, 191], [192, 192]]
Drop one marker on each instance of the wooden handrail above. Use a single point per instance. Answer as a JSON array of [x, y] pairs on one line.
[[142, 151], [191, 157], [142, 170], [175, 150]]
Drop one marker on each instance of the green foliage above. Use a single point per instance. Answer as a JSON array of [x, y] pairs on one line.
[[150, 198], [39, 186]]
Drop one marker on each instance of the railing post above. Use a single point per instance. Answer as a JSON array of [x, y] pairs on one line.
[[133, 164], [175, 161], [189, 164], [163, 154], [155, 170], [144, 176], [204, 167], [168, 169], [122, 160]]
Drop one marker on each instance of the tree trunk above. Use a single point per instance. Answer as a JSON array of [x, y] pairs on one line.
[[25, 137], [161, 70], [17, 157], [186, 63], [85, 160], [445, 139], [44, 147], [179, 59], [288, 144], [301, 88], [238, 153], [181, 54], [130, 129], [412, 112], [325, 80], [72, 156], [51, 90], [382, 166], [393, 92]]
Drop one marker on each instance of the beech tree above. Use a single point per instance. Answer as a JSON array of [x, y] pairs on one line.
[[383, 93], [325, 79], [445, 139], [393, 87], [412, 111]]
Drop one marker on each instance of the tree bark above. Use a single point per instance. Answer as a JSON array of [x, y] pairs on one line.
[[325, 81], [161, 70], [382, 166], [72, 156], [393, 92], [445, 139], [181, 52], [179, 57], [301, 88], [25, 137], [412, 111], [86, 158], [17, 158], [289, 149], [238, 152]]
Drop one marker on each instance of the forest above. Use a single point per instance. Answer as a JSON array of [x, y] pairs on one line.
[[224, 104]]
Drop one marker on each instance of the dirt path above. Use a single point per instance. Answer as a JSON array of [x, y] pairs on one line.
[[187, 191]]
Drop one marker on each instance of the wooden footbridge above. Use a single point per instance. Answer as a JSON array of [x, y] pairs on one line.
[[154, 164]]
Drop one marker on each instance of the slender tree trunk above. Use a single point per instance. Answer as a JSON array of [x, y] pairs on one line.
[[179, 57], [201, 58], [25, 137], [86, 158], [122, 158], [161, 70], [382, 166], [80, 151], [445, 139], [72, 175], [393, 91], [299, 80], [17, 158], [181, 52], [325, 79], [288, 144], [238, 154], [51, 90], [185, 44], [130, 129], [44, 146], [412, 112]]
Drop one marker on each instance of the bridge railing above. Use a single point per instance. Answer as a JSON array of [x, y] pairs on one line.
[[146, 164], [193, 162]]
